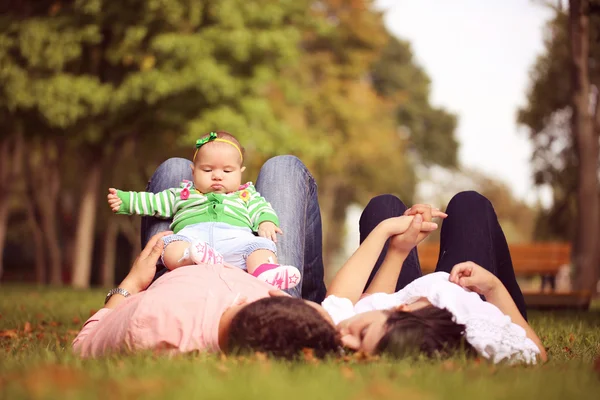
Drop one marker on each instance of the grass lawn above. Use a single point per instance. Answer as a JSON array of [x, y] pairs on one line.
[[38, 325]]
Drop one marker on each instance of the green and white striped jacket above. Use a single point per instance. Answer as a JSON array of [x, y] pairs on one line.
[[187, 206]]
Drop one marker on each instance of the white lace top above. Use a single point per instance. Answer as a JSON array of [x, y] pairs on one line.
[[488, 330]]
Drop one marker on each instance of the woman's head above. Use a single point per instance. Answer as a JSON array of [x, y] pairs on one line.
[[409, 329], [282, 327], [430, 331], [218, 163]]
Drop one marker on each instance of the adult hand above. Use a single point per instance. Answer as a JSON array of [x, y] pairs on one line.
[[474, 277], [113, 200], [427, 210], [398, 225], [144, 267], [404, 242], [269, 230]]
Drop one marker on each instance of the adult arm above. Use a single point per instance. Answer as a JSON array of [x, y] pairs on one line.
[[139, 278], [476, 278], [386, 277], [351, 279]]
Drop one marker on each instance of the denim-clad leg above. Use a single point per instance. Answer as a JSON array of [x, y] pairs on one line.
[[169, 174], [290, 188], [472, 233], [381, 208]]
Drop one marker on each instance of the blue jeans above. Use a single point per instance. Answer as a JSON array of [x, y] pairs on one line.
[[292, 191]]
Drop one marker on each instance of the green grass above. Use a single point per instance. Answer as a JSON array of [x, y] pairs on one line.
[[38, 325]]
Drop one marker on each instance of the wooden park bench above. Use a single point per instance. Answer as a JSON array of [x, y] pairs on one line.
[[529, 259]]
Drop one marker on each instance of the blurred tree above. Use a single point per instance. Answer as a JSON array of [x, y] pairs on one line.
[[11, 159], [516, 216], [97, 72], [431, 130], [354, 149], [557, 108], [586, 147]]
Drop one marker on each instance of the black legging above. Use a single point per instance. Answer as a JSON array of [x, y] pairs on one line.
[[470, 233]]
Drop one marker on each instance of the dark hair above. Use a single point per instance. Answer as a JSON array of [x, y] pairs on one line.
[[282, 327], [430, 331], [228, 136]]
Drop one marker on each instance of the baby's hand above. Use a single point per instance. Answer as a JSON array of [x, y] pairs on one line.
[[269, 230], [113, 200]]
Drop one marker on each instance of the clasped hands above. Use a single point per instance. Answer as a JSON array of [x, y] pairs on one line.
[[415, 225], [410, 229]]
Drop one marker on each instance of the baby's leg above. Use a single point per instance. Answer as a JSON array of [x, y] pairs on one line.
[[263, 264], [259, 257], [177, 254]]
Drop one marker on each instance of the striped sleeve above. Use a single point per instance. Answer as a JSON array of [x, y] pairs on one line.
[[147, 204], [260, 209]]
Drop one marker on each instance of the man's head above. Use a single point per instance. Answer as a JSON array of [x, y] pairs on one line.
[[282, 327]]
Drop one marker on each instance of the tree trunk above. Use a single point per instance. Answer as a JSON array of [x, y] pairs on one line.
[[107, 269], [84, 240], [586, 256], [11, 159], [38, 242], [52, 243], [130, 227], [3, 226], [43, 186], [335, 200]]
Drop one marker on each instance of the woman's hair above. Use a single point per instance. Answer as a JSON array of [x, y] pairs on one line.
[[430, 331], [228, 136], [282, 327]]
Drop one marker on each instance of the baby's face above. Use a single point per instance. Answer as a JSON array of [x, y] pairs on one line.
[[218, 168]]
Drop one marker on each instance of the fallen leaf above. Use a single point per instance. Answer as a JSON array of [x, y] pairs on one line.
[[309, 355], [449, 365], [54, 9], [40, 335], [55, 323], [222, 368], [92, 312], [571, 337], [76, 320], [261, 357], [27, 327], [38, 381], [10, 333], [347, 372]]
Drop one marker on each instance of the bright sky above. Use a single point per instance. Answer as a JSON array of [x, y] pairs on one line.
[[478, 54]]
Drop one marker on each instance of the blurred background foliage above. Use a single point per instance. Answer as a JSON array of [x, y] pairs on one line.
[[97, 93]]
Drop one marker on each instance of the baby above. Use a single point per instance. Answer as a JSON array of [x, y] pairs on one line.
[[215, 211]]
